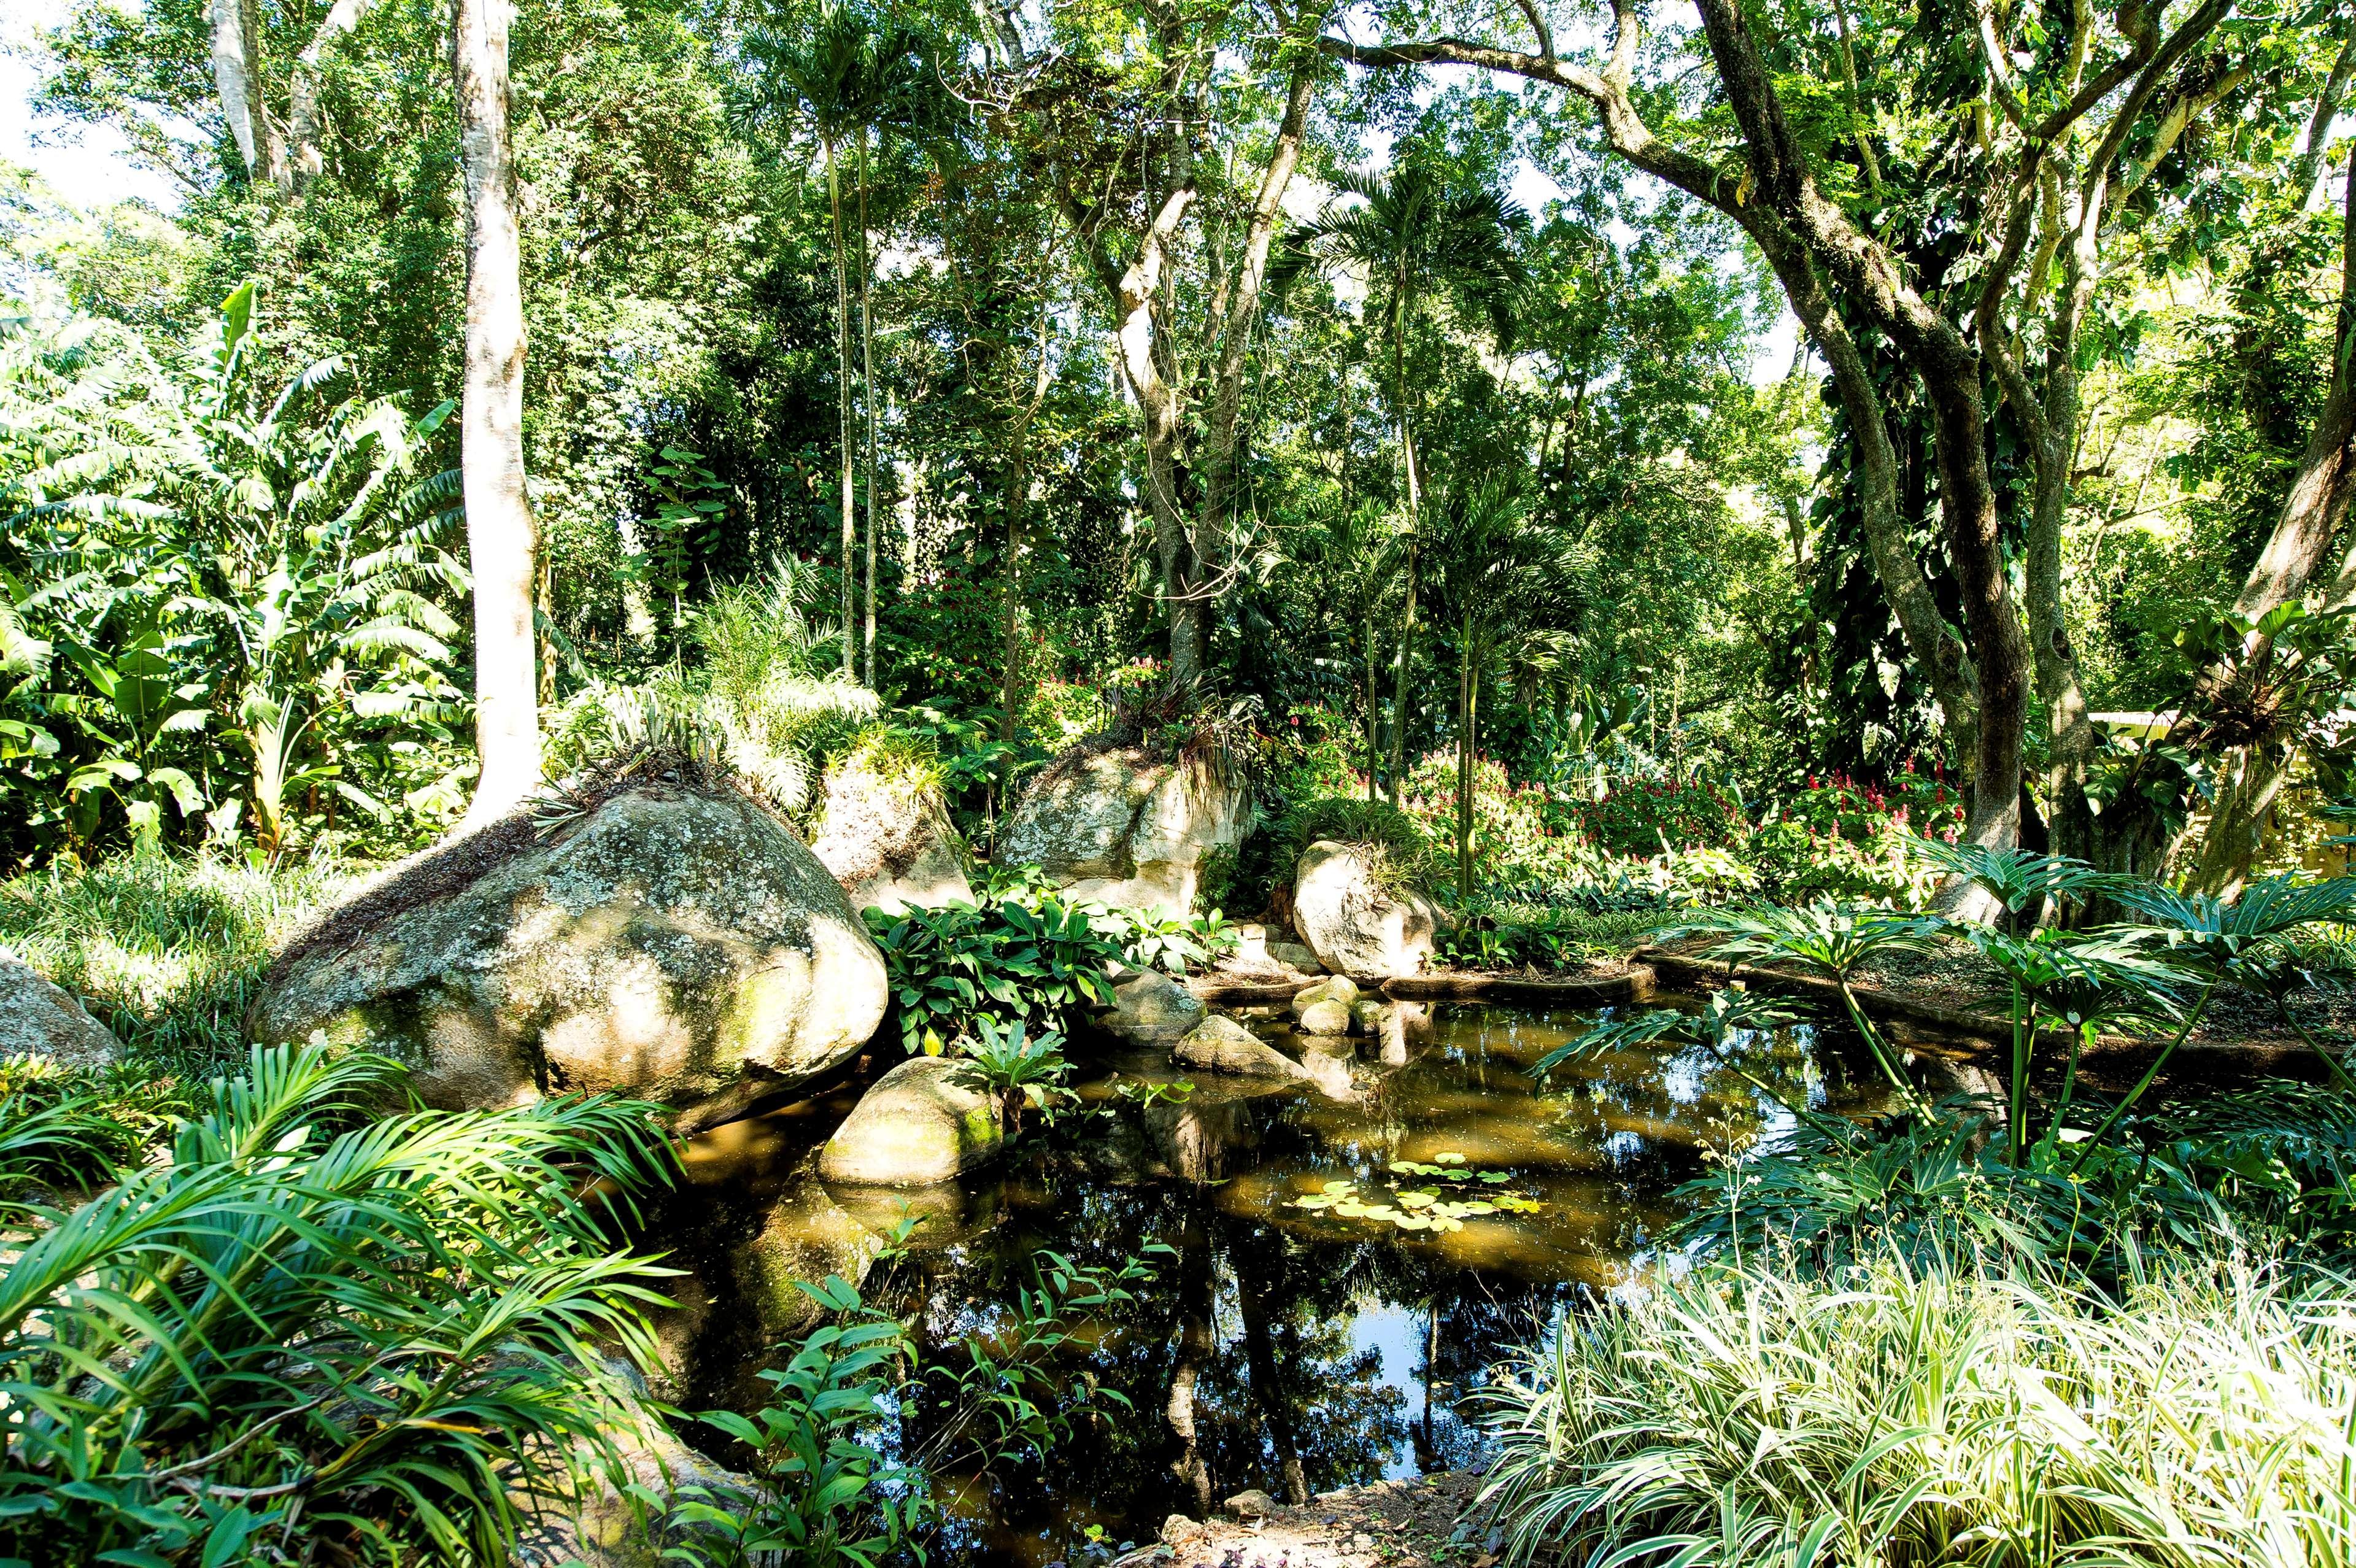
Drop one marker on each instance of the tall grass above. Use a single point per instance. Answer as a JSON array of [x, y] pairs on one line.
[[166, 951], [1948, 1416], [317, 1331]]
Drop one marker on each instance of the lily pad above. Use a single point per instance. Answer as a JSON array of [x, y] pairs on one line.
[[1415, 1199], [1477, 1207], [1448, 1159], [1338, 1188], [1383, 1211], [1351, 1209], [1413, 1222], [1442, 1223], [1313, 1201], [1496, 1177]]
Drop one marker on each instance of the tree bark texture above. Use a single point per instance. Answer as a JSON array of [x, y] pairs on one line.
[[502, 538]]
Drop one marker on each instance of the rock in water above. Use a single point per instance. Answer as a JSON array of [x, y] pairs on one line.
[[1328, 1017], [670, 939], [38, 1019], [1149, 1009], [1355, 924], [1219, 1044], [926, 1121], [1340, 988], [1119, 828], [888, 839]]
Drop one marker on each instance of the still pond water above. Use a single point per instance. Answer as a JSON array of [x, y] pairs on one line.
[[1327, 1338]]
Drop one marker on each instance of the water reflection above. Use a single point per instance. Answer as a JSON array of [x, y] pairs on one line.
[[1281, 1348]]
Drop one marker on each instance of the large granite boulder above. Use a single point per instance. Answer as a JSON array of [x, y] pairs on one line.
[[1119, 828], [1149, 1009], [928, 1119], [38, 1019], [1220, 1045], [668, 937], [887, 839], [1356, 921]]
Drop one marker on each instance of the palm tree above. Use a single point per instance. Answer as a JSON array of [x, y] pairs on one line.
[[821, 73], [1416, 237], [885, 93], [1494, 569]]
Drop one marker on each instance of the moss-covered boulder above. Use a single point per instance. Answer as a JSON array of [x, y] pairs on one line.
[[1120, 828], [38, 1019], [657, 934], [884, 834], [1357, 919], [926, 1121]]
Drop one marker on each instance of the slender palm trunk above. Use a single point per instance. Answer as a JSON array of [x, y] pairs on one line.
[[1414, 525], [843, 387], [502, 538], [1467, 697], [867, 385], [1373, 705]]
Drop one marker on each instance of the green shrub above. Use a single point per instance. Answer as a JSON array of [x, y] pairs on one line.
[[317, 1332], [1041, 961], [165, 950]]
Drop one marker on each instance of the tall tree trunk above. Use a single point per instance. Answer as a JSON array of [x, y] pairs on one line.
[[843, 416], [1017, 490], [237, 77], [502, 538], [1255, 1289], [306, 161], [1467, 695], [867, 385], [1374, 703], [2289, 569], [1403, 316]]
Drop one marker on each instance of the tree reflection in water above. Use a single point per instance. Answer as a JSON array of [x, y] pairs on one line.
[[1275, 1348]]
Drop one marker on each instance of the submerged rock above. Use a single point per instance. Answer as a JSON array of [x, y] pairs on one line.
[[1119, 828], [38, 1019], [1149, 1009], [1354, 922], [888, 840], [668, 939], [926, 1121], [1222, 1046]]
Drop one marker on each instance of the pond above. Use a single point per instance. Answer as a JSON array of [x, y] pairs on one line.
[[1332, 1341]]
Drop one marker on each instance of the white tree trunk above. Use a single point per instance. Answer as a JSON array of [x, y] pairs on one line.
[[233, 79], [502, 539], [302, 91]]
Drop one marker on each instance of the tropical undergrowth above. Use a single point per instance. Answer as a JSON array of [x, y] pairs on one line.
[[2045, 1326], [320, 1326], [165, 950]]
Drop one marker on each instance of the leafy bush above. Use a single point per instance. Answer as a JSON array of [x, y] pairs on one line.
[[1949, 1415], [1508, 933], [1166, 942], [1036, 960], [165, 950], [314, 1329]]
